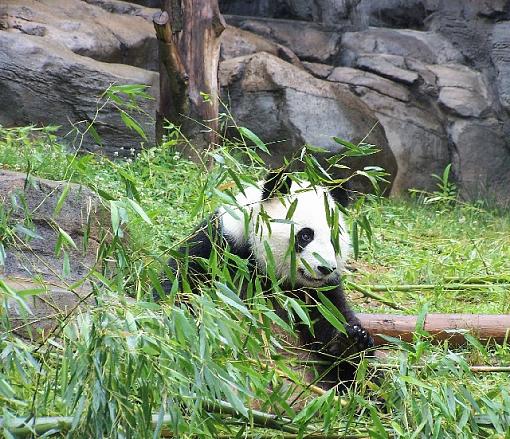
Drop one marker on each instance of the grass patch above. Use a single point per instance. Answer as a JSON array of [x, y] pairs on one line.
[[438, 247]]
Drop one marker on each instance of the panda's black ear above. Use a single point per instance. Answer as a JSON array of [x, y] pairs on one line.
[[342, 194], [276, 182]]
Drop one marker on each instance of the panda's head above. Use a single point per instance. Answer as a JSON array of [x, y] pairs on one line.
[[300, 225]]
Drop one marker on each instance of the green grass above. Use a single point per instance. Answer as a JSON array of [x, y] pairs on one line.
[[115, 368], [415, 243]]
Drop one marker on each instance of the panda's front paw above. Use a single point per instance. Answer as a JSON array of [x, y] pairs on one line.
[[360, 337], [356, 340]]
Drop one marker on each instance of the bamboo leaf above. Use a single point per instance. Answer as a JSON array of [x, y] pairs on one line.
[[28, 232], [245, 132], [232, 299], [300, 311], [61, 200], [67, 238], [139, 210], [132, 124]]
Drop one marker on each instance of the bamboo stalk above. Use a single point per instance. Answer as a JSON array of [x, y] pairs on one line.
[[297, 436], [40, 425], [489, 369], [366, 291], [377, 364], [474, 369], [501, 278], [260, 419], [429, 287], [312, 387]]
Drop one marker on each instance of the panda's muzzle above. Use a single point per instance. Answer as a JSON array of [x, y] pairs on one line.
[[326, 271], [329, 276]]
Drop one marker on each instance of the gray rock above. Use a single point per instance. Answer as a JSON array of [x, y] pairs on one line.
[[103, 31], [326, 11], [288, 108], [463, 23], [462, 90], [481, 160], [458, 75], [427, 47], [136, 8], [318, 70], [148, 3], [238, 42], [500, 55], [358, 78], [31, 261], [414, 130], [34, 201], [427, 84], [463, 102], [494, 9], [309, 41], [321, 11], [389, 66], [47, 309], [410, 14], [44, 83]]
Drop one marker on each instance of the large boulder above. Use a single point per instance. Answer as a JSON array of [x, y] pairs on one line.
[[392, 67], [238, 42], [45, 83], [500, 55], [410, 14], [30, 204], [463, 91], [414, 129], [40, 211], [320, 11], [309, 41], [105, 30], [288, 108], [427, 47], [469, 25], [481, 160]]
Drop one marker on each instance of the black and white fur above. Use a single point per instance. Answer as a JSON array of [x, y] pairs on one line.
[[226, 228]]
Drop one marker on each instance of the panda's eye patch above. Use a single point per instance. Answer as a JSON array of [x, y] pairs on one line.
[[304, 237]]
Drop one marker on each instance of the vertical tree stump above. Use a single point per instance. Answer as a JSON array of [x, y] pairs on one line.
[[189, 34]]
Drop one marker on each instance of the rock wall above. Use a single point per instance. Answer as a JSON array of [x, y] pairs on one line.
[[58, 58], [31, 258], [433, 74]]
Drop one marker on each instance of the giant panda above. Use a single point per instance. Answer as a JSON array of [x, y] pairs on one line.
[[280, 213]]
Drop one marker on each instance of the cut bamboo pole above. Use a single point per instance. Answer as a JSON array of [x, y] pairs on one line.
[[431, 287], [441, 327], [23, 428]]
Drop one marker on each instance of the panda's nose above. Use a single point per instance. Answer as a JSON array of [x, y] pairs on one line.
[[326, 270]]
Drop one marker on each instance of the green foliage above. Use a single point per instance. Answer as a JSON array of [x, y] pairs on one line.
[[446, 193], [441, 255], [197, 365]]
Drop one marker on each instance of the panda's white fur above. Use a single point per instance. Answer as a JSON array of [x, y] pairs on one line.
[[258, 220], [310, 212]]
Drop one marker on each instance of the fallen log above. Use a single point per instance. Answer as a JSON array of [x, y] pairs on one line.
[[451, 327]]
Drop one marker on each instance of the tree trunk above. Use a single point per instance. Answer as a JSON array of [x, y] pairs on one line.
[[440, 326], [189, 33]]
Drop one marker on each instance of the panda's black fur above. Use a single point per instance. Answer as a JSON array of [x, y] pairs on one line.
[[222, 230]]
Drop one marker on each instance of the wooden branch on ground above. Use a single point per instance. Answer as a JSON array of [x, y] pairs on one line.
[[440, 326]]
